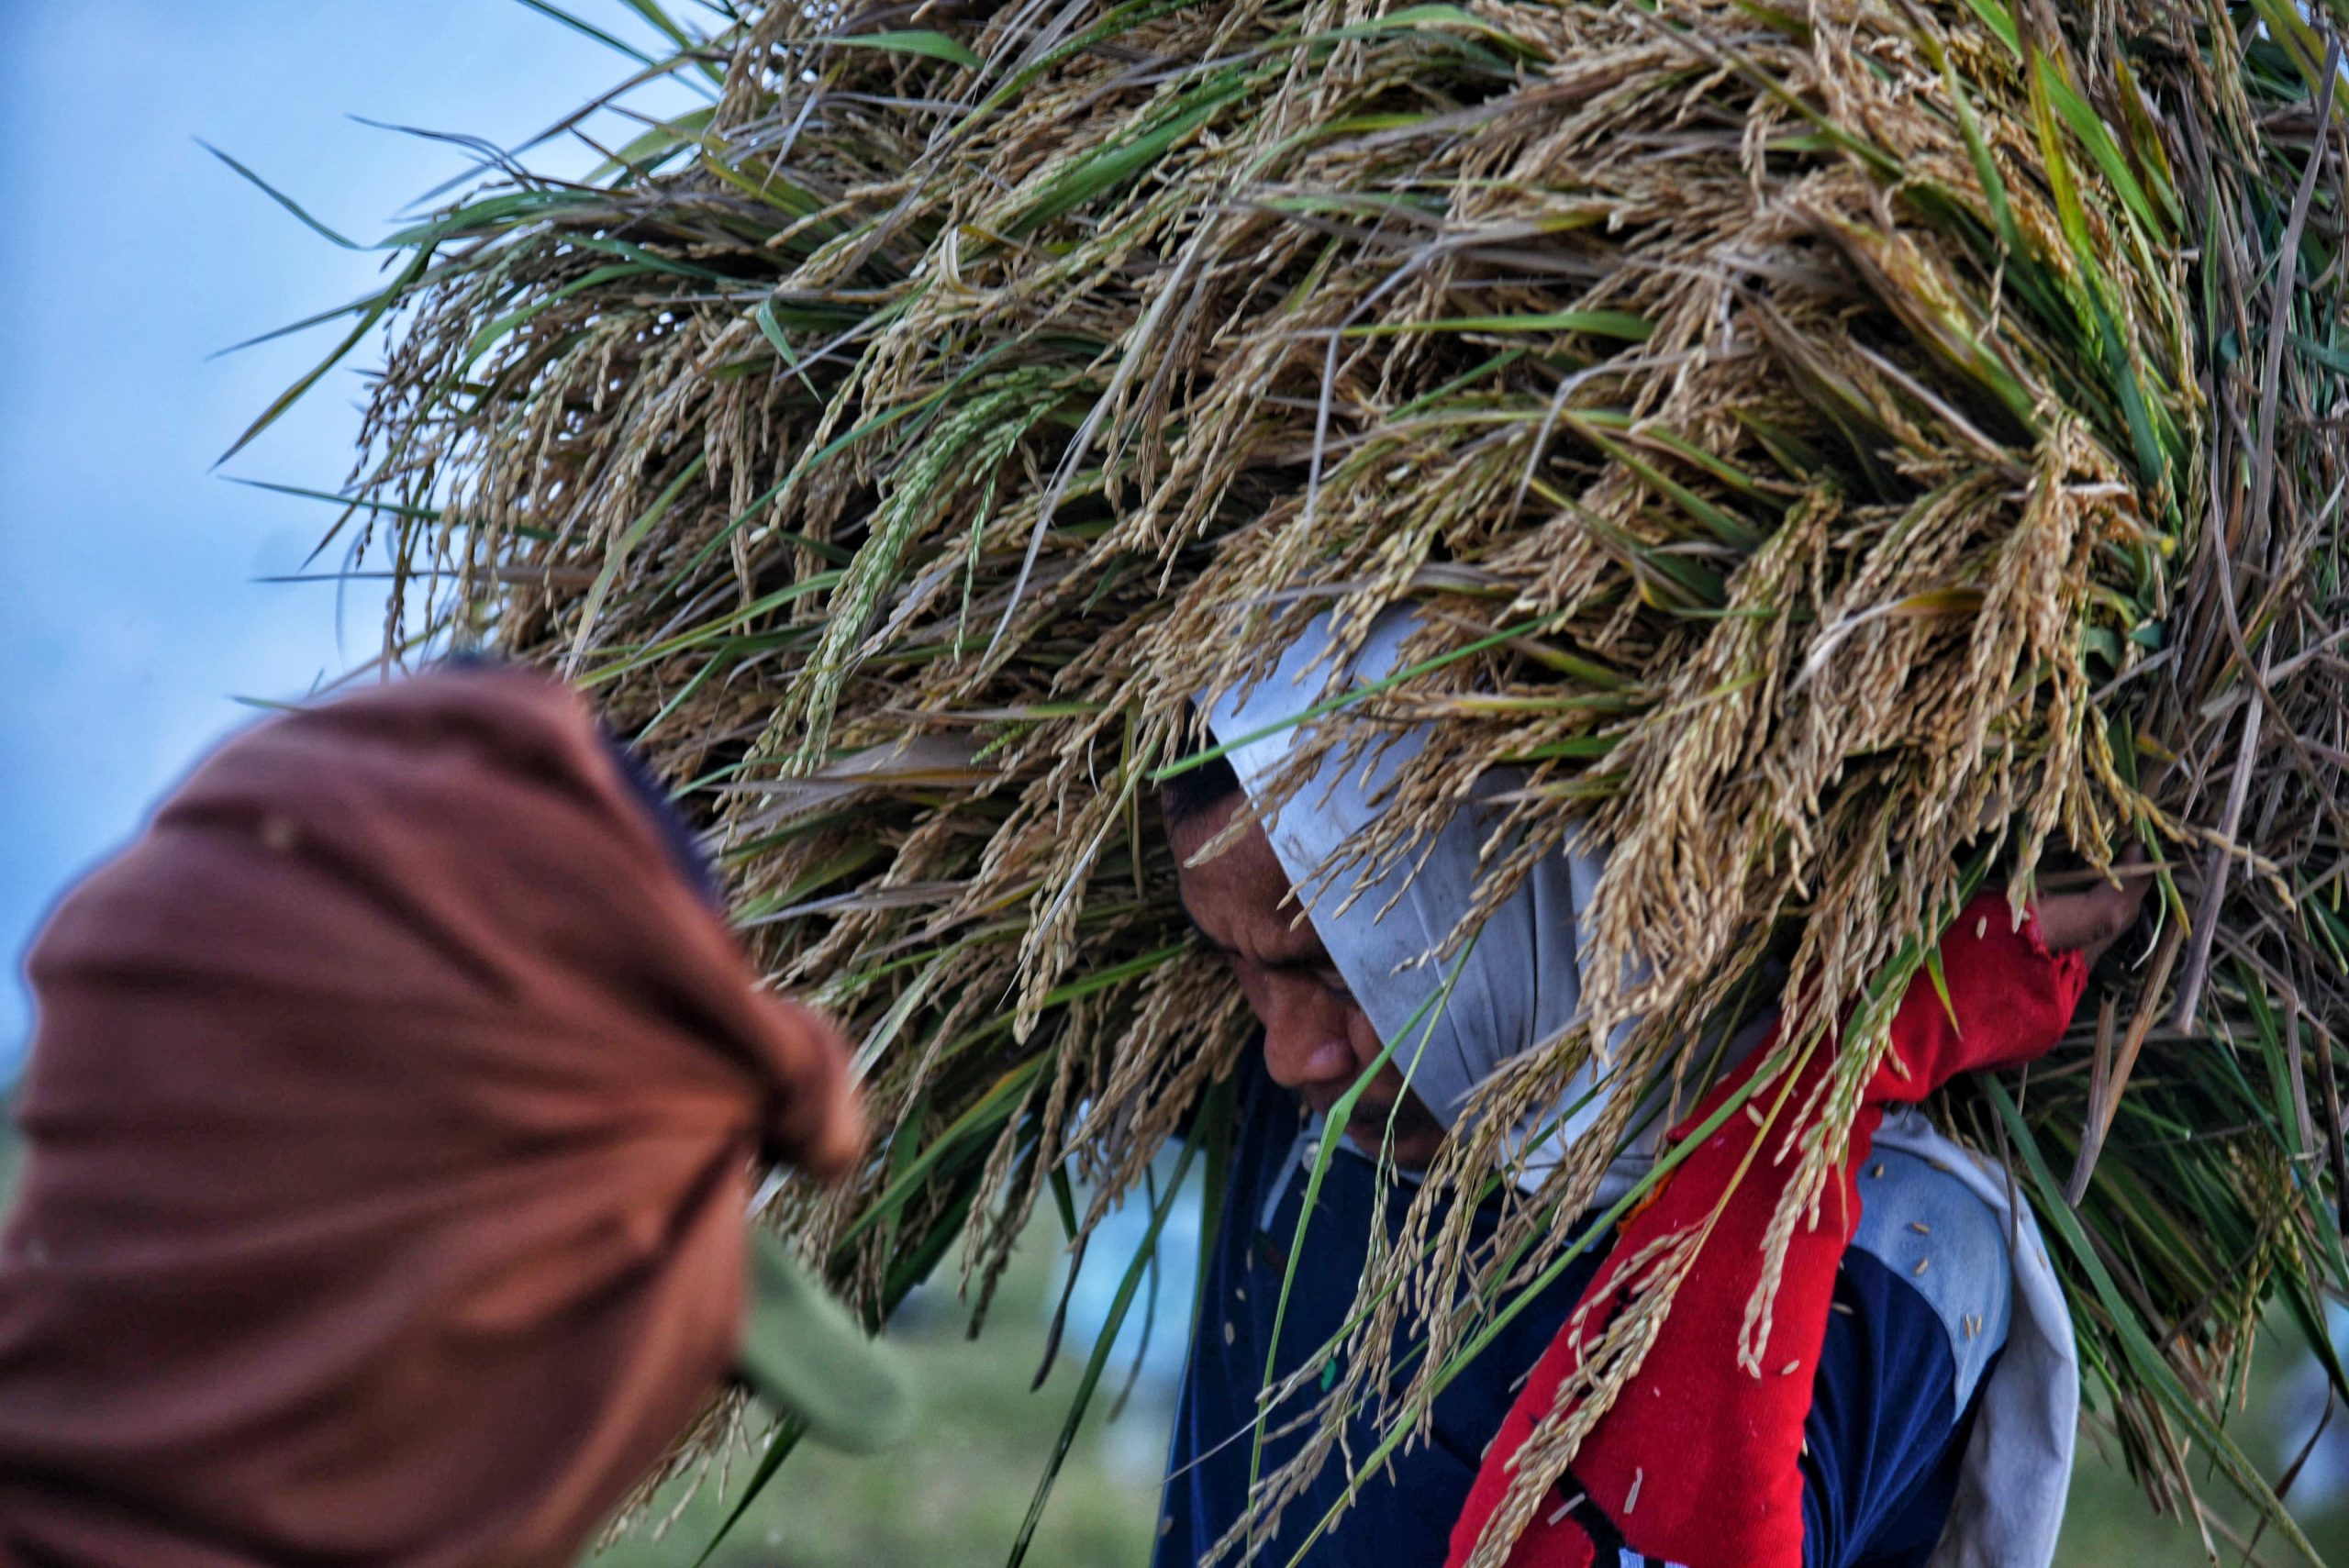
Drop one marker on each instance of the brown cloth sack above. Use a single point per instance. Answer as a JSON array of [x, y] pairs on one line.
[[392, 1108]]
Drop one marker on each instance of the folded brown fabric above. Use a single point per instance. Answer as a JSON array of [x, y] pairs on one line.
[[392, 1109]]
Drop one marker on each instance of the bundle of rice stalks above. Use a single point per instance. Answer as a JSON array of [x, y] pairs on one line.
[[1834, 451]]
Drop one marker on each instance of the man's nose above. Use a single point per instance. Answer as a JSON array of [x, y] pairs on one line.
[[1304, 1047]]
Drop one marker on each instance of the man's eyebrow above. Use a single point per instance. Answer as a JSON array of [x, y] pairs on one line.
[[1302, 963], [1315, 963]]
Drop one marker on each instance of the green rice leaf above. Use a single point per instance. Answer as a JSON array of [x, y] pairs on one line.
[[282, 199], [912, 41]]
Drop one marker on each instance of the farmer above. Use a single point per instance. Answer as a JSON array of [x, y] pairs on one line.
[[1940, 1389], [392, 1114]]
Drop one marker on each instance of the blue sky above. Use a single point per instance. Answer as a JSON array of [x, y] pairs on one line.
[[130, 618]]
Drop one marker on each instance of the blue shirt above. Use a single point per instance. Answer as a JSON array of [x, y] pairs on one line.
[[1891, 1406]]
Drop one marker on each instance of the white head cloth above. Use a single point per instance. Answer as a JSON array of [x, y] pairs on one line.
[[1520, 984]]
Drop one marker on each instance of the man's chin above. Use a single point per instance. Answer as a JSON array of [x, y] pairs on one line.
[[1414, 1149]]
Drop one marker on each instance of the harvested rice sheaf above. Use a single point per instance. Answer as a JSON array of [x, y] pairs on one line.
[[1836, 451]]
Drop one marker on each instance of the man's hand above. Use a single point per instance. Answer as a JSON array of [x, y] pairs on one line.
[[2090, 920]]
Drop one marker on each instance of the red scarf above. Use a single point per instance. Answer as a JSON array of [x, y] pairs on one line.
[[1697, 1462]]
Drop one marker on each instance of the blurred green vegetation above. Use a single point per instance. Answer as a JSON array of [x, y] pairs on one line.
[[2110, 1524], [954, 1496]]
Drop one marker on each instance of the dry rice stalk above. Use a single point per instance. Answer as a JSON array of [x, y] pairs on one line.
[[1836, 448]]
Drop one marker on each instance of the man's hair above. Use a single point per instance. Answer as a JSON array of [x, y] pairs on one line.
[[1196, 790]]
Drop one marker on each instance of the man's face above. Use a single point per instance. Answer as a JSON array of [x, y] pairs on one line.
[[1317, 1040]]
